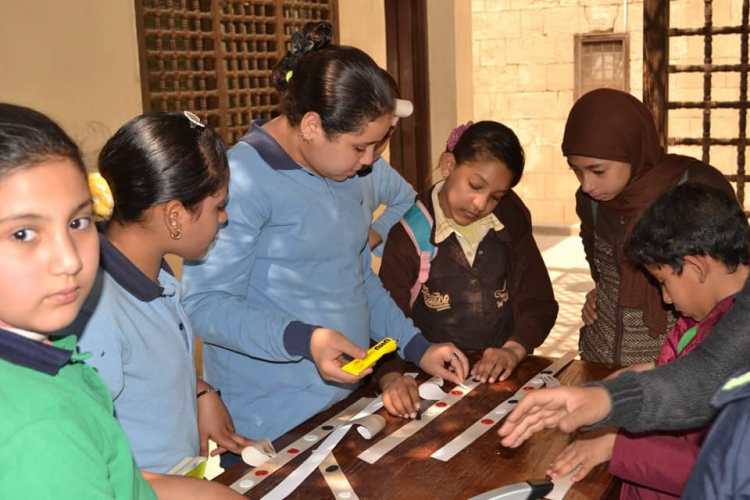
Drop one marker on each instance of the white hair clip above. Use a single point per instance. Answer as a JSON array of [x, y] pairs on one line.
[[403, 108], [193, 119]]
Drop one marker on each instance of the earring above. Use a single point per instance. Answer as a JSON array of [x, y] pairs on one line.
[[176, 234]]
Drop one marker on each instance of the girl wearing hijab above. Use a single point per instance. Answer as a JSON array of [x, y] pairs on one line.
[[611, 145]]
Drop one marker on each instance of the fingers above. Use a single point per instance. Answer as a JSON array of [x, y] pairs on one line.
[[343, 345], [326, 347], [401, 398], [460, 365]]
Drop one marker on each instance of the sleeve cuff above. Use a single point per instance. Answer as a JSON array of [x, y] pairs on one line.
[[416, 348], [297, 336], [626, 396]]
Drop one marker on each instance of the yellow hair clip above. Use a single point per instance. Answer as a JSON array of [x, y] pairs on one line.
[[288, 75], [104, 203]]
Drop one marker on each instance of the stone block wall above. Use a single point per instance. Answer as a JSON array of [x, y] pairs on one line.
[[523, 67]]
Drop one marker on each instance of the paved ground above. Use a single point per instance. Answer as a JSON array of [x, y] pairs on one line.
[[571, 279]]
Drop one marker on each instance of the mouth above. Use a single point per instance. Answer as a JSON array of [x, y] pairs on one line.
[[65, 296]]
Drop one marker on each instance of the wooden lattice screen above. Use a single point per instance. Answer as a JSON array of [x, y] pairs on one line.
[[215, 57], [717, 137]]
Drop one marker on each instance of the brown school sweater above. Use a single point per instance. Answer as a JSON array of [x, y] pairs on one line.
[[506, 294]]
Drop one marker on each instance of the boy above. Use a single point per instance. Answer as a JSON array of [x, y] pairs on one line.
[[700, 269]]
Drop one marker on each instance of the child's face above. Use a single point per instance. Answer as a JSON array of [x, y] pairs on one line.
[[473, 189], [684, 290], [201, 231], [601, 179], [344, 155], [49, 248]]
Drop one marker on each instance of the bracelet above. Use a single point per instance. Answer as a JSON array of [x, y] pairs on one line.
[[206, 391]]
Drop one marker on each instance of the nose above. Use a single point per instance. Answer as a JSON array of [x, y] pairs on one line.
[[369, 156], [587, 183], [480, 203], [65, 258], [223, 218]]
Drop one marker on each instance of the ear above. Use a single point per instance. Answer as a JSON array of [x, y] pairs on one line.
[[311, 127], [174, 217], [698, 264], [446, 164]]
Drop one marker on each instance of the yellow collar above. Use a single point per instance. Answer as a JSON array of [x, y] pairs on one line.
[[474, 232]]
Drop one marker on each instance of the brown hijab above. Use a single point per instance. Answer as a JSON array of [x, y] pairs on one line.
[[613, 125]]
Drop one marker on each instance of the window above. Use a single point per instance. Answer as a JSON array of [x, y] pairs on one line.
[[601, 60], [215, 57]]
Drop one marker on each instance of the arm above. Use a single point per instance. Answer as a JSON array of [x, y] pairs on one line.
[[399, 268], [677, 395], [391, 190], [660, 461], [533, 301], [584, 210], [216, 297], [214, 422], [169, 487]]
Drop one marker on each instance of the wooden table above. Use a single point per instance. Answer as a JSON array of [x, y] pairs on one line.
[[408, 472]]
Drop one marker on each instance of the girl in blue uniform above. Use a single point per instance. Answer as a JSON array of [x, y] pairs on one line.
[[292, 267]]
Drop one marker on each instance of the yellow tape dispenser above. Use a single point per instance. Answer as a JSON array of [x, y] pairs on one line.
[[374, 353]]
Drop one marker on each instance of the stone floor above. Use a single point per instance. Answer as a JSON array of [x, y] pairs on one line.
[[571, 279]]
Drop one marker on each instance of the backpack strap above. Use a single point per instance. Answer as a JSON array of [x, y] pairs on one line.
[[418, 224]]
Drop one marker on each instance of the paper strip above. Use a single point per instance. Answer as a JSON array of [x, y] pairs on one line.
[[258, 453], [562, 486], [336, 479], [375, 452], [296, 477], [255, 476], [484, 424]]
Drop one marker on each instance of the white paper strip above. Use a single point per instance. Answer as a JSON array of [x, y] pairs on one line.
[[562, 486], [296, 477], [375, 452], [484, 424], [336, 479], [255, 476], [258, 453]]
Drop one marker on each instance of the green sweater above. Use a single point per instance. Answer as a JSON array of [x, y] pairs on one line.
[[59, 437]]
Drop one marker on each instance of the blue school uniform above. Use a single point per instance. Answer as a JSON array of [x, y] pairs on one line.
[[141, 343], [293, 256], [383, 185]]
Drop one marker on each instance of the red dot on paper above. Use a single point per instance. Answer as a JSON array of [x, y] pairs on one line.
[[261, 472], [528, 388], [456, 392], [441, 404], [292, 451], [488, 421]]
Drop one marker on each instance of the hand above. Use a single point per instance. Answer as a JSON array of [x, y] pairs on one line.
[[373, 239], [582, 455], [400, 395], [214, 422], [327, 346], [438, 355], [588, 314], [498, 363], [566, 408]]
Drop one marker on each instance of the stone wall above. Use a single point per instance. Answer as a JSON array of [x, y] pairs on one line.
[[523, 67]]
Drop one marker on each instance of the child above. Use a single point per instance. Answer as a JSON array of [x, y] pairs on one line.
[[168, 176], [293, 265], [700, 270], [611, 145], [59, 437], [487, 287]]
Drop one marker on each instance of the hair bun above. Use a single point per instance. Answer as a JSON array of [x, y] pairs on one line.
[[313, 36]]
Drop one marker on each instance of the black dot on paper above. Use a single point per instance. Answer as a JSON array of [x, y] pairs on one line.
[[327, 427], [513, 401], [332, 468]]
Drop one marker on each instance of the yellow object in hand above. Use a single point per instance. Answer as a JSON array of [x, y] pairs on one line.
[[374, 353]]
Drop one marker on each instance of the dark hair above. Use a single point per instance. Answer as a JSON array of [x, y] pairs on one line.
[[691, 219], [491, 140], [28, 137], [158, 157], [341, 84]]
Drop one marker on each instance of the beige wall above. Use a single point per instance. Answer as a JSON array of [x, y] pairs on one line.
[[362, 25], [75, 60], [450, 77], [524, 77]]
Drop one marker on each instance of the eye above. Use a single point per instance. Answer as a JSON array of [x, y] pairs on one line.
[[25, 235], [474, 186], [597, 172], [360, 149], [80, 223]]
